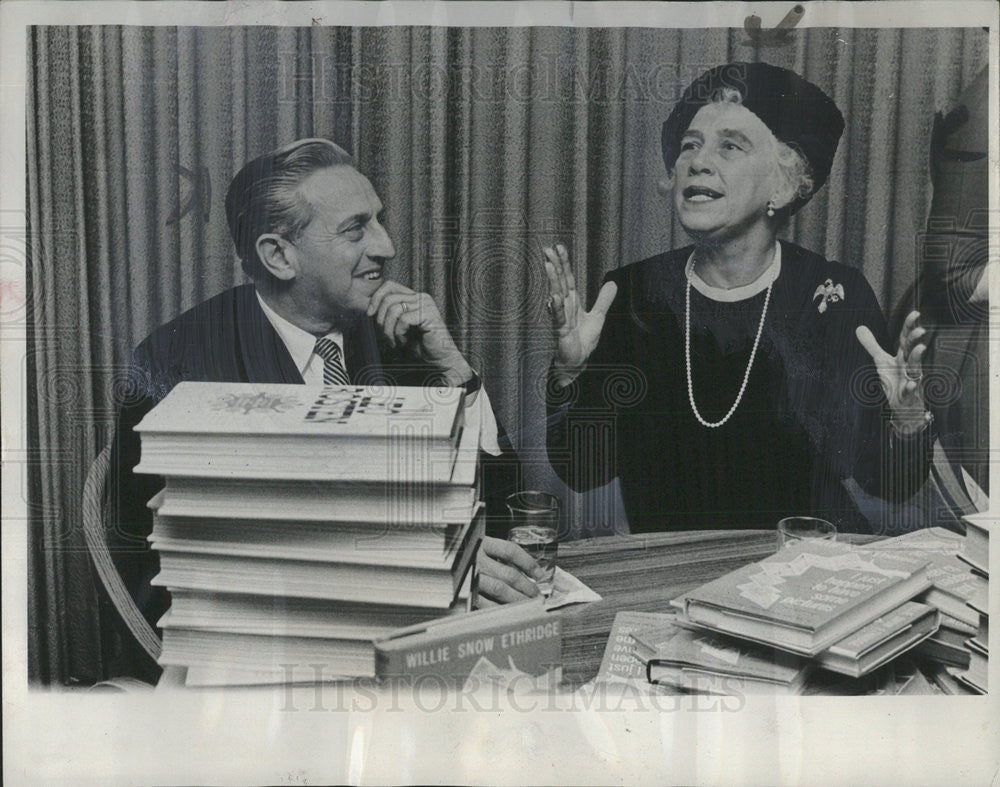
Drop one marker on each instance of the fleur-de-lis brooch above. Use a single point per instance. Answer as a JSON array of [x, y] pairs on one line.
[[828, 293]]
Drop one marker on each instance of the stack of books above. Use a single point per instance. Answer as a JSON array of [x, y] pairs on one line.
[[952, 587], [975, 676], [955, 657], [297, 525], [815, 605], [977, 555]]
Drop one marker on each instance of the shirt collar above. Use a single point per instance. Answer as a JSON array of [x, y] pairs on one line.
[[741, 293], [299, 343]]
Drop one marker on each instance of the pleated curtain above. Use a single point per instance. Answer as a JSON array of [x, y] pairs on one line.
[[484, 145]]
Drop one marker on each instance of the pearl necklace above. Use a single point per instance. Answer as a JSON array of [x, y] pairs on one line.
[[687, 352]]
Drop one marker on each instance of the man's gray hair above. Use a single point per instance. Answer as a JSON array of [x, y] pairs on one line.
[[264, 197]]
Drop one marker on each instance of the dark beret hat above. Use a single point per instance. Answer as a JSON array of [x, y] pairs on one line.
[[797, 112]]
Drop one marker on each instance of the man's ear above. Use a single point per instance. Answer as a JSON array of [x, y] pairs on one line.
[[277, 255]]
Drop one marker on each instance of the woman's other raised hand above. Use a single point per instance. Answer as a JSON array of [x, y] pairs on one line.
[[900, 374], [576, 330]]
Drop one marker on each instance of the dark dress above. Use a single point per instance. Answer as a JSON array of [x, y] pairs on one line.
[[813, 414]]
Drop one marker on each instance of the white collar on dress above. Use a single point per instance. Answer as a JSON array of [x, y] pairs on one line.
[[742, 292], [299, 343]]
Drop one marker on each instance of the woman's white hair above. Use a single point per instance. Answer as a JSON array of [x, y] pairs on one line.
[[792, 166]]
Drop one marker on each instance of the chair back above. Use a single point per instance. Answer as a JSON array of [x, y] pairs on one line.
[[95, 534]]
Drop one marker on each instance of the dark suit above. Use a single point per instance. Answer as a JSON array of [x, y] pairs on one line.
[[228, 338]]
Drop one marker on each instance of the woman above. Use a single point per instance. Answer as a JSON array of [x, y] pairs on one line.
[[739, 380]]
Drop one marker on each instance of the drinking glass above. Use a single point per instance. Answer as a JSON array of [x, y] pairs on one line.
[[534, 520], [793, 529]]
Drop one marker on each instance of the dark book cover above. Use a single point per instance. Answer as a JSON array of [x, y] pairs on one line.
[[503, 645]]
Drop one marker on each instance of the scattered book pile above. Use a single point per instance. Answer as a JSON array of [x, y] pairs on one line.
[[780, 624], [297, 525]]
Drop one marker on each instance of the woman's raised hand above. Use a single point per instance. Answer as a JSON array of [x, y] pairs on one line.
[[576, 330], [900, 373]]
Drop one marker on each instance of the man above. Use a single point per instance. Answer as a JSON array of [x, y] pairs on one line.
[[306, 225], [953, 291]]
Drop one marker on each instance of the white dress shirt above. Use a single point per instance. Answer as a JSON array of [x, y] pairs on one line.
[[300, 345]]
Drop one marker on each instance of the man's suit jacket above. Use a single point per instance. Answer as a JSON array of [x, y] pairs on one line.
[[228, 338]]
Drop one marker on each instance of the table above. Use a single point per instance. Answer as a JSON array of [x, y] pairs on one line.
[[644, 573]]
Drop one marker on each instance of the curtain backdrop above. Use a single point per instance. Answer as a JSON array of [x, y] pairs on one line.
[[484, 144]]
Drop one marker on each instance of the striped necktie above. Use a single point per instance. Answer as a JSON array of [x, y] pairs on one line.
[[334, 372]]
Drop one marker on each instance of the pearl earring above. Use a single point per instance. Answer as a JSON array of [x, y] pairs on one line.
[[770, 207]]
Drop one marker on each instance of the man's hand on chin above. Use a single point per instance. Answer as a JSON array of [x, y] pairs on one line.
[[505, 573], [411, 320]]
